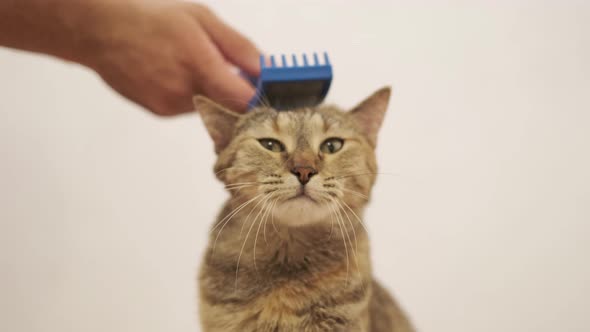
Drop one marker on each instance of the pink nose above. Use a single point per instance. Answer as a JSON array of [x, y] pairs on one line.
[[304, 173]]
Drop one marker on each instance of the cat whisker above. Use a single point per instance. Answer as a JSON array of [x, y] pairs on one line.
[[264, 215], [327, 202], [356, 216], [355, 241], [223, 170], [229, 217], [241, 183], [272, 214], [344, 242], [341, 208], [264, 199], [333, 177], [347, 235], [231, 167], [248, 170], [268, 181], [238, 188], [353, 175], [356, 193], [342, 176], [233, 212], [272, 221]]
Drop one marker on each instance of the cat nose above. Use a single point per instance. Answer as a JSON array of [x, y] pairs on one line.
[[303, 173]]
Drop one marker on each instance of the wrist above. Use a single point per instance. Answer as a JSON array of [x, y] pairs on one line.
[[107, 26], [55, 27], [85, 26]]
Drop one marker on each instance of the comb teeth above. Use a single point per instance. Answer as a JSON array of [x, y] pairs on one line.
[[271, 61], [286, 85]]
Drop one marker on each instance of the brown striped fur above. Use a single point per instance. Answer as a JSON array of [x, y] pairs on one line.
[[285, 256]]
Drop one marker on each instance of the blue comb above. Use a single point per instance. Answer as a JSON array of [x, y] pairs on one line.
[[292, 86]]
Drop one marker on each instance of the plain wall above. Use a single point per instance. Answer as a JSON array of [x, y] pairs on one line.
[[482, 222]]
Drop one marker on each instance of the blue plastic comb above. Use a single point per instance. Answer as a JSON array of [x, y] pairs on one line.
[[291, 86]]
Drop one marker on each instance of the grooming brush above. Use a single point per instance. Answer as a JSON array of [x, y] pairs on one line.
[[291, 86]]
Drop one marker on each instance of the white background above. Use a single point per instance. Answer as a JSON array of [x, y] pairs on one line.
[[481, 224]]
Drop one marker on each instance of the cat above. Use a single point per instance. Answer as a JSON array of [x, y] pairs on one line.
[[289, 251]]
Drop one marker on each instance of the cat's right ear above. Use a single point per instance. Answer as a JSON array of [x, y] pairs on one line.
[[219, 121]]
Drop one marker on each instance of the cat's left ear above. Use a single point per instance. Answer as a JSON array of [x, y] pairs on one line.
[[369, 114], [219, 121]]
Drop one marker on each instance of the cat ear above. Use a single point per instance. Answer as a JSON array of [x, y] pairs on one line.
[[369, 114], [219, 121]]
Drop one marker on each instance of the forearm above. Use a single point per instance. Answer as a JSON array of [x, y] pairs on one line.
[[158, 53], [64, 28]]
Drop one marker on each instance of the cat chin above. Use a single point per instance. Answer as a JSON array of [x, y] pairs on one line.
[[300, 211]]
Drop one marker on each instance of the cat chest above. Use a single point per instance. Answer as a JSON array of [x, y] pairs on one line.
[[292, 307]]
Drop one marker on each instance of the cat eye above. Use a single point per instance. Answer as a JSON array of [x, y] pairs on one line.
[[332, 145], [272, 144]]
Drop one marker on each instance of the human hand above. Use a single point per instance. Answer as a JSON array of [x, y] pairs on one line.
[[161, 53]]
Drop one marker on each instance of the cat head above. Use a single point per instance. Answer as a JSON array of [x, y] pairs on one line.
[[302, 165]]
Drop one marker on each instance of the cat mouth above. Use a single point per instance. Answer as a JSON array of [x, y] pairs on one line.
[[302, 195]]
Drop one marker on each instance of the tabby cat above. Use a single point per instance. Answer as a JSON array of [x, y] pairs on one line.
[[289, 251]]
